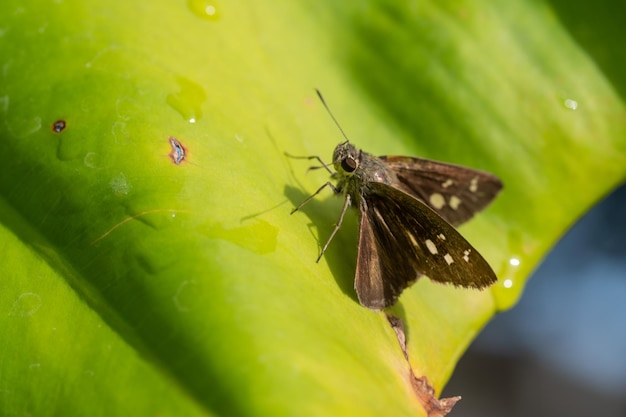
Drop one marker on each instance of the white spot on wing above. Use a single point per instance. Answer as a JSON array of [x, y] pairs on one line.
[[448, 259], [431, 246], [454, 202], [441, 236], [437, 200], [413, 241], [473, 187], [448, 183], [466, 255]]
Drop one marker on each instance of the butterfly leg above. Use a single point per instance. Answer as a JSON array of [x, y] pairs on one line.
[[346, 204], [319, 159], [309, 198]]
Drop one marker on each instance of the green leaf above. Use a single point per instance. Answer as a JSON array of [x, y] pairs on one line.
[[132, 285]]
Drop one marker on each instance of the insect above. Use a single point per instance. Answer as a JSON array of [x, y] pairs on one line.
[[408, 208]]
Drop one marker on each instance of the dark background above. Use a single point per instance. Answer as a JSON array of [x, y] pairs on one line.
[[561, 351]]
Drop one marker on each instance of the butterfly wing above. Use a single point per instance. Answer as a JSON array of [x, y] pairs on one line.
[[455, 192], [400, 238]]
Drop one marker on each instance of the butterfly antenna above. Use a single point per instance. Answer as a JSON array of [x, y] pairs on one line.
[[331, 114]]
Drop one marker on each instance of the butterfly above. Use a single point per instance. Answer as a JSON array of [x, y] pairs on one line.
[[408, 208]]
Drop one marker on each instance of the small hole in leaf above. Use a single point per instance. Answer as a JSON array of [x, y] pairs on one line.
[[178, 152], [59, 126]]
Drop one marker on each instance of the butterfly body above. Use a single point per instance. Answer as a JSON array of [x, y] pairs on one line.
[[356, 169]]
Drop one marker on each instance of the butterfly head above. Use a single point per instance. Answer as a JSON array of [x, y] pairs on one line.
[[346, 158]]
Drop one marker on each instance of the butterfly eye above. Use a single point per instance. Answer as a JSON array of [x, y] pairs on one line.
[[348, 164]]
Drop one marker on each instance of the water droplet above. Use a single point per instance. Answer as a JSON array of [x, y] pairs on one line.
[[127, 108], [188, 101], [120, 132], [119, 184], [206, 9], [179, 296], [513, 269], [26, 305], [570, 104], [91, 160]]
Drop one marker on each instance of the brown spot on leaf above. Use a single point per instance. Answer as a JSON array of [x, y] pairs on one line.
[[59, 126], [398, 327], [178, 152], [424, 392]]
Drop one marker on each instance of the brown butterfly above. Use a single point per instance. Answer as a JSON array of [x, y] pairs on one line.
[[407, 209]]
